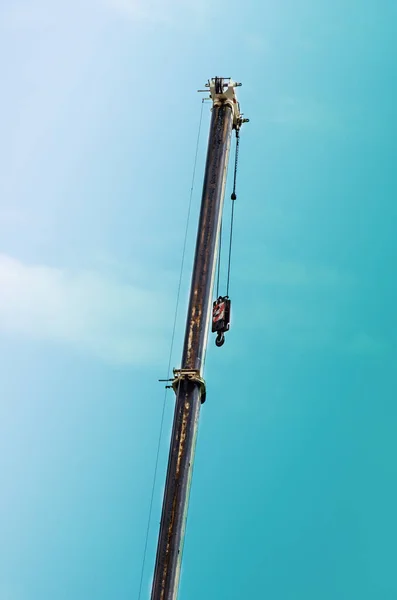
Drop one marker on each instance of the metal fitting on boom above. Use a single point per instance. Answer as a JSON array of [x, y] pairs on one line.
[[223, 91], [186, 376]]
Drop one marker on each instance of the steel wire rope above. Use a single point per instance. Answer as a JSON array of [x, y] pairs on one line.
[[233, 198], [219, 260], [170, 354]]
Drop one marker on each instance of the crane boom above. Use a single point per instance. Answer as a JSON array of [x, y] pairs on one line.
[[188, 381]]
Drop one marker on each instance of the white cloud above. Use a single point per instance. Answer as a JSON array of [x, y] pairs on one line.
[[170, 12], [118, 322]]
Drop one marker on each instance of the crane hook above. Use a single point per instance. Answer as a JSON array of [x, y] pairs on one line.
[[220, 339]]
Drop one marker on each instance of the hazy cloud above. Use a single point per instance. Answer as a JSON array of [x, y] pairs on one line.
[[306, 113], [166, 11], [12, 592], [256, 43], [293, 273], [299, 304], [115, 321], [307, 306], [366, 345]]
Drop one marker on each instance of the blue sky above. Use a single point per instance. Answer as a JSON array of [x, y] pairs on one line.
[[294, 489]]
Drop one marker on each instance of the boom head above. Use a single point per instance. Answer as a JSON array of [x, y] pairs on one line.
[[223, 91]]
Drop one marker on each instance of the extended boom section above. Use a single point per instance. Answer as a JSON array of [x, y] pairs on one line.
[[188, 381]]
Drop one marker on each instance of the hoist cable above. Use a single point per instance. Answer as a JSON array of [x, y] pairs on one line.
[[233, 197], [235, 165], [170, 354], [219, 261], [230, 251]]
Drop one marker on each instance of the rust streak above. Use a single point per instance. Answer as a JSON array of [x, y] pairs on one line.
[[181, 449]]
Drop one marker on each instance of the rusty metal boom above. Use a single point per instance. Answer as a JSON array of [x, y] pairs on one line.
[[188, 381]]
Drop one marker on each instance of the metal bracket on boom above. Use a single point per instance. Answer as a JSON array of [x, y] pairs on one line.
[[223, 91], [192, 375]]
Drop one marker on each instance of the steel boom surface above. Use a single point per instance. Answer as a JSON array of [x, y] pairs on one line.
[[189, 392]]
